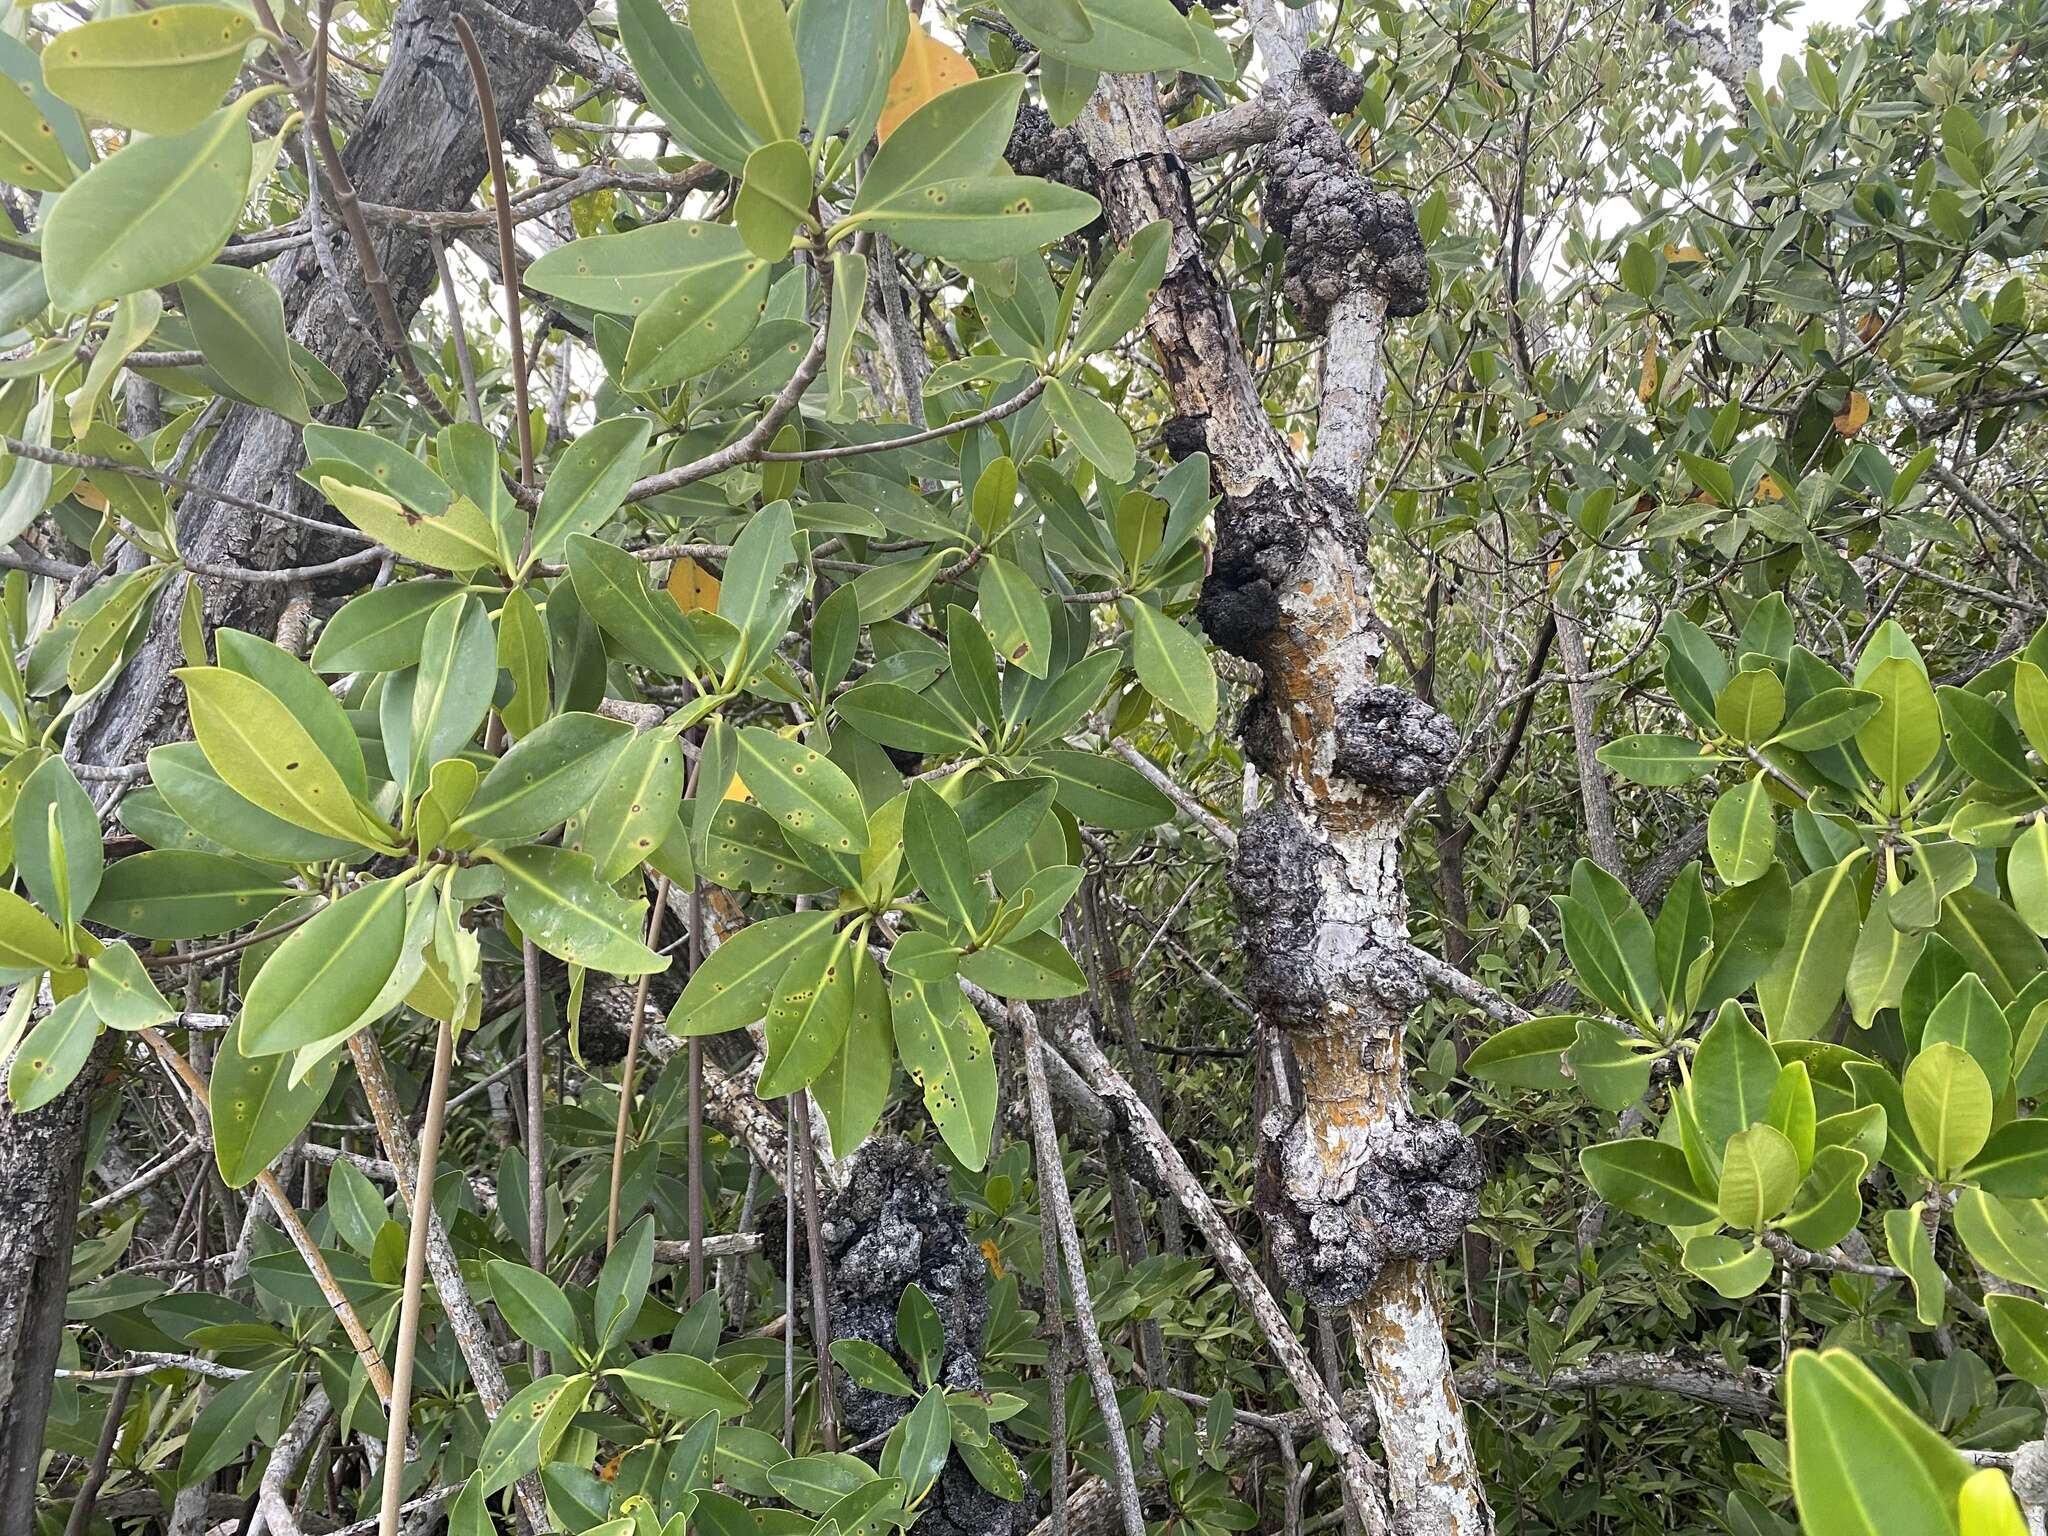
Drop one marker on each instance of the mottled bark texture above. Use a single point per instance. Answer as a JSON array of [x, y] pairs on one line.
[[42, 1160], [1360, 1196], [418, 145], [893, 1225]]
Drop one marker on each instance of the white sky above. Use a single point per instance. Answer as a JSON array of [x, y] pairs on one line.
[[1780, 40]]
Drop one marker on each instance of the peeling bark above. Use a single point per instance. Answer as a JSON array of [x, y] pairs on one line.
[[1362, 1197]]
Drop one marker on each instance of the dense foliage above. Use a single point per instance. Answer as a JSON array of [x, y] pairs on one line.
[[1144, 766]]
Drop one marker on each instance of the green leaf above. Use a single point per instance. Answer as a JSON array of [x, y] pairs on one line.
[[256, 1111], [1985, 743], [1909, 1246], [121, 992], [1095, 429], [244, 1410], [1015, 612], [2014, 1161], [854, 1090], [260, 751], [237, 317], [840, 49], [1104, 792], [1759, 1177], [980, 218], [1803, 987], [1025, 965], [1172, 664], [816, 1483], [1610, 943], [1130, 37], [622, 1284], [327, 972], [775, 197], [1734, 1269], [460, 539], [2007, 1237], [1828, 719], [1526, 1055], [945, 1049], [1122, 294], [295, 687], [526, 1429], [2026, 875], [1660, 762], [380, 630], [732, 986], [31, 151], [159, 71], [636, 806], [589, 483], [182, 894], [807, 793], [2021, 1327], [1828, 1204], [558, 900], [917, 1446], [809, 1012], [1862, 1464], [682, 1387], [1902, 738], [872, 1367], [696, 322], [624, 274], [2030, 702], [1734, 1074], [545, 778], [935, 844], [747, 47], [1993, 940], [760, 591], [1969, 1017], [57, 841], [523, 653], [888, 589], [645, 622], [458, 671], [958, 133], [201, 801], [1949, 1103], [1648, 1179], [1752, 706], [1742, 830], [54, 1053], [678, 86], [151, 213]]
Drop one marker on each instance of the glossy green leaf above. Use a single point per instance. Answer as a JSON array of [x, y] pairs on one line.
[[256, 1111], [559, 902], [327, 972], [945, 1049], [1949, 1102], [809, 1012], [749, 50], [160, 71], [808, 794], [732, 987], [589, 483]]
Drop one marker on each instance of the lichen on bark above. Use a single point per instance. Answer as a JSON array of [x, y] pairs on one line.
[[1339, 229]]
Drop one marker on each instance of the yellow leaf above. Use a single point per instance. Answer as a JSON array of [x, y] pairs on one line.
[[928, 68], [1646, 390], [1538, 419], [736, 790], [1868, 327], [1677, 253], [994, 1255], [1854, 414], [692, 586], [1767, 490]]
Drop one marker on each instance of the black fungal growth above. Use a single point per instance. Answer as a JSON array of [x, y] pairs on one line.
[[895, 1224], [1038, 148], [1339, 229], [1277, 885], [1336, 86], [1390, 741], [1260, 540], [1411, 1199]]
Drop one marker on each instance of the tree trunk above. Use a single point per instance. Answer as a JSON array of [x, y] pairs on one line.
[[42, 1160], [419, 145], [1359, 1196]]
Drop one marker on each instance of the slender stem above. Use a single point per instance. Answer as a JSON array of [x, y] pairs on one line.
[[788, 1277], [508, 250], [611, 1210], [415, 1277], [696, 1113], [102, 1456], [536, 1141], [821, 1316], [1056, 1207]]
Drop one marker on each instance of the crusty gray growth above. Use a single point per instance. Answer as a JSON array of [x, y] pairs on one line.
[[1412, 1197], [1390, 741], [1038, 148], [1278, 892], [1336, 86], [1339, 229], [896, 1224]]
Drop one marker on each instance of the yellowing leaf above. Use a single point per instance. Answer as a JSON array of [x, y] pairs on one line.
[[1677, 253], [1646, 391], [927, 68], [1767, 490], [1854, 414], [692, 586]]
